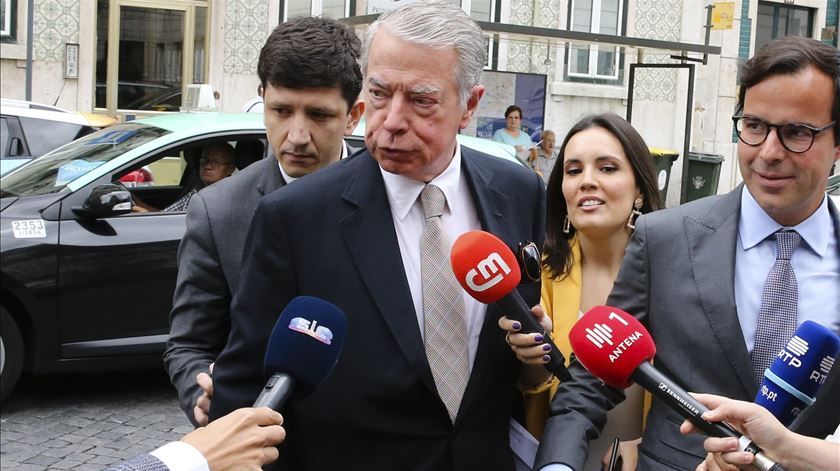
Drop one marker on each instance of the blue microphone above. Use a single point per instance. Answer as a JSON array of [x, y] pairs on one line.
[[302, 350], [792, 381]]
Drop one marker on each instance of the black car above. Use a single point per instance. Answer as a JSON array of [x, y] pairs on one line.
[[85, 283]]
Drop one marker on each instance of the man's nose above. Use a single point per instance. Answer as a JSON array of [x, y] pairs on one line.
[[396, 120], [299, 130]]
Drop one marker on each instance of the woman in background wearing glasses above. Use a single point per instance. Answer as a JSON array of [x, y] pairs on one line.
[[603, 180]]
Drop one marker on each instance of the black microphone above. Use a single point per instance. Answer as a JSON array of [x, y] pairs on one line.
[[615, 347], [302, 350]]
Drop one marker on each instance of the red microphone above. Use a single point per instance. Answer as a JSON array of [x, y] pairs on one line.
[[487, 270], [615, 347]]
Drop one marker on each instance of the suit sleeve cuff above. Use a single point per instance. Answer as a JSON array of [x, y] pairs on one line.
[[181, 456]]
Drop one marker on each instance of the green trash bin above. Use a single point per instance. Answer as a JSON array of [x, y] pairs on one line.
[[703, 175], [662, 161]]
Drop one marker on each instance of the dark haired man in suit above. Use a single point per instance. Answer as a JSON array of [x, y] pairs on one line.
[[311, 80]]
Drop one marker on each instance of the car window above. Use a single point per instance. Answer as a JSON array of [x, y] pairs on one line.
[[4, 137], [54, 171], [46, 135]]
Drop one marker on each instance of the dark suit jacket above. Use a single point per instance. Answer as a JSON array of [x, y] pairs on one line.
[[678, 279], [209, 260], [332, 236]]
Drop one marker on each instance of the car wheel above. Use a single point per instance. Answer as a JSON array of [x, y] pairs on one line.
[[11, 353]]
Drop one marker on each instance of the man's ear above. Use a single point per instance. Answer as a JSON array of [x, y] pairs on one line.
[[472, 104], [353, 117]]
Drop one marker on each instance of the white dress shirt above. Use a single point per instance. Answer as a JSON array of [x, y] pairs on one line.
[[815, 262], [181, 456], [459, 216]]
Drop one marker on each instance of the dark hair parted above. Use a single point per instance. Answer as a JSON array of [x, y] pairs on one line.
[[312, 52], [557, 251], [510, 109], [788, 56]]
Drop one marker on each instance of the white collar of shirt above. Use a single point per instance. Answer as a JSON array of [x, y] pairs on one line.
[[755, 225], [403, 191], [289, 179]]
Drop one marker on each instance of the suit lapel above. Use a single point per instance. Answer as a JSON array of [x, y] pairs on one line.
[[713, 237], [490, 205], [270, 176], [372, 242], [823, 415]]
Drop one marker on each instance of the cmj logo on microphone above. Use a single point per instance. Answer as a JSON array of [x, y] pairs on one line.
[[311, 328], [492, 269]]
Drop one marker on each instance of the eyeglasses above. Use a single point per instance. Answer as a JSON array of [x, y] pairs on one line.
[[797, 138], [215, 163]]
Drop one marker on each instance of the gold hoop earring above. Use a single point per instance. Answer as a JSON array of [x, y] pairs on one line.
[[635, 213], [567, 224]]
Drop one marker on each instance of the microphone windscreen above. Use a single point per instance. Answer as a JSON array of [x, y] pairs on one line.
[[305, 343], [484, 266], [611, 344], [800, 368]]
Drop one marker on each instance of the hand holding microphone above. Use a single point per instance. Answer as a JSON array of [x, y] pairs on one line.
[[487, 270], [615, 347]]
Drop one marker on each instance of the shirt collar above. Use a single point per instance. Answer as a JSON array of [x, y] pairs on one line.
[[289, 179], [403, 191], [756, 225]]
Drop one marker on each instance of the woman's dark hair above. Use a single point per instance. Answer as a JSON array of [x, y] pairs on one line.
[[312, 52], [557, 251], [510, 109], [788, 56]]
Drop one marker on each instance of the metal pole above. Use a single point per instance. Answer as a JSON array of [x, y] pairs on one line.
[[689, 108], [30, 11]]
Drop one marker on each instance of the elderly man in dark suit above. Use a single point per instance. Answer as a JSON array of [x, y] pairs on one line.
[[372, 234], [722, 283], [311, 82]]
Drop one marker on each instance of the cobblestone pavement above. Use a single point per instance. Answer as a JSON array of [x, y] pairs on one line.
[[87, 422]]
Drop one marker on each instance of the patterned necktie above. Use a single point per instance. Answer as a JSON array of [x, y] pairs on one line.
[[443, 307], [777, 314]]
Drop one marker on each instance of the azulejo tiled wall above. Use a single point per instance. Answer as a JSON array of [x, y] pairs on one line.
[[657, 19], [56, 22], [530, 56], [246, 29]]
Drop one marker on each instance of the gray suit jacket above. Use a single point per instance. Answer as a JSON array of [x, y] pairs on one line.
[[677, 278], [209, 261]]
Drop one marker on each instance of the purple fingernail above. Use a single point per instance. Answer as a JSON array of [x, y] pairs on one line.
[[546, 358], [517, 326], [538, 338], [547, 348]]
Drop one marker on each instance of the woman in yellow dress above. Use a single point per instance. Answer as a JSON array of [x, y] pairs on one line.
[[604, 179]]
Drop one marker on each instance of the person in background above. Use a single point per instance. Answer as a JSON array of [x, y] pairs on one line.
[[722, 283], [256, 104], [512, 134], [311, 83], [546, 156], [245, 439], [792, 451], [604, 180], [217, 162]]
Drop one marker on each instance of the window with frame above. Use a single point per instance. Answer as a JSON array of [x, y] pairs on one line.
[[148, 52], [8, 20], [777, 20], [601, 17], [334, 9]]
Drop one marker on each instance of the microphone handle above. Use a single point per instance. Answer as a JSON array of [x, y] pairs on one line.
[[277, 389], [513, 306], [675, 396]]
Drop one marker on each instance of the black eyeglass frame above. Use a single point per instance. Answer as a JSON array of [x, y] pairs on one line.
[[529, 260], [814, 131]]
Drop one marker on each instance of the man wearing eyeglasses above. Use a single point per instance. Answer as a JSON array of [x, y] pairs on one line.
[[722, 283]]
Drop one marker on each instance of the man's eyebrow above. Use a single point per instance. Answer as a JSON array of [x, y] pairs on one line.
[[376, 82], [424, 90]]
